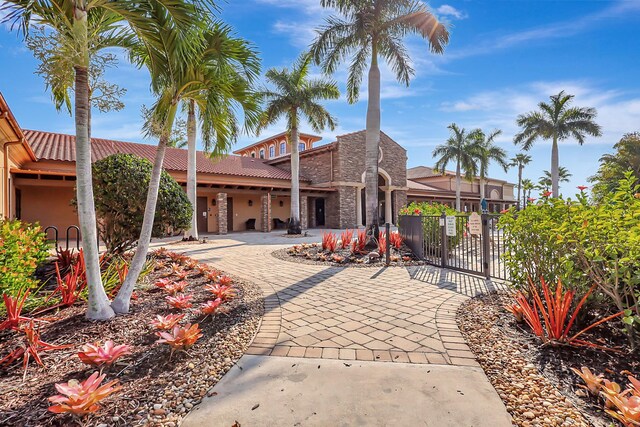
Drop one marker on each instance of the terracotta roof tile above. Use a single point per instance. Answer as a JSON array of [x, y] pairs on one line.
[[61, 147]]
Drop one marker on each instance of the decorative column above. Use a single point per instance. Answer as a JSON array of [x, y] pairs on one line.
[[304, 215], [265, 212], [222, 213], [358, 206], [387, 207]]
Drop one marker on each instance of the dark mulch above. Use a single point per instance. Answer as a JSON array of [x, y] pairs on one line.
[[313, 254], [554, 362], [148, 376]]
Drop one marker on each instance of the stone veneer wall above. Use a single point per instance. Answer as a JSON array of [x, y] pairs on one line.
[[222, 212], [400, 202], [265, 212]]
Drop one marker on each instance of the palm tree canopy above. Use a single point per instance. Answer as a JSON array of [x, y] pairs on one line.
[[563, 175], [486, 152], [460, 147], [370, 29], [557, 120], [294, 94], [520, 159]]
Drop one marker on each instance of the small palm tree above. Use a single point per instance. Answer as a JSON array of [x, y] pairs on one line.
[[296, 96], [236, 61], [366, 32], [83, 28], [485, 152], [527, 186], [459, 148], [556, 121], [520, 160], [545, 181]]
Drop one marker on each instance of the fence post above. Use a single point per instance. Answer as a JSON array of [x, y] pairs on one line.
[[486, 242], [387, 228], [444, 244]]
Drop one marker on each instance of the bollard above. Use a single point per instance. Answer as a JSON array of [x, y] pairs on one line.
[[387, 227]]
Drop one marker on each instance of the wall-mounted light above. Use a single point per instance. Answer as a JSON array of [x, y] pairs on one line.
[[250, 202], [281, 203], [213, 202]]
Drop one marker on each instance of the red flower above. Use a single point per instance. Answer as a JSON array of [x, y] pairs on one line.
[[531, 199], [582, 187], [417, 211], [504, 211], [546, 193]]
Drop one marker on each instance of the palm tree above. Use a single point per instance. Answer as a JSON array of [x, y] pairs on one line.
[[527, 186], [485, 152], [556, 121], [174, 79], [238, 59], [459, 148], [520, 160], [367, 32], [545, 181], [295, 95], [85, 27]]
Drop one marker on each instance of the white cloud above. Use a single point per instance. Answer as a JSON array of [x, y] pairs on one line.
[[448, 10]]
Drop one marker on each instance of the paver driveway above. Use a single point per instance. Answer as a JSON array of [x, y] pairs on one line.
[[369, 314]]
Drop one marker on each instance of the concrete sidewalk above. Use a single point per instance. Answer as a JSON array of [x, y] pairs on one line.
[[286, 391]]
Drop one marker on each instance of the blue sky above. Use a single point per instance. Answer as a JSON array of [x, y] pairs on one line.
[[504, 57]]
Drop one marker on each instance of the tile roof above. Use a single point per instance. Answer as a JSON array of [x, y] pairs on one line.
[[313, 138], [424, 172], [413, 185], [61, 147]]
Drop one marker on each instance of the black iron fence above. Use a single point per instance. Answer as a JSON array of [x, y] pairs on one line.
[[471, 243]]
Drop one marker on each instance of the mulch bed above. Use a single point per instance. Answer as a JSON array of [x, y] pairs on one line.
[[156, 390], [534, 381], [312, 254]]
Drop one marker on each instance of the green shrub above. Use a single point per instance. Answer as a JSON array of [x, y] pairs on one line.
[[22, 247], [581, 244], [121, 182]]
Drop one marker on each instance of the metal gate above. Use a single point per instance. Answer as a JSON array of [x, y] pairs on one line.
[[450, 242]]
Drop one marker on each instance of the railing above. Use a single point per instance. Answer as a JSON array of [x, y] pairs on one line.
[[55, 239], [451, 242]]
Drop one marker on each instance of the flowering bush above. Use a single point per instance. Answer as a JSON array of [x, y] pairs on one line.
[[581, 244], [22, 247], [430, 215]]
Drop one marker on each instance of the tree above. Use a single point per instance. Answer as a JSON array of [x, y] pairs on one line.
[[485, 152], [613, 166], [175, 78], [237, 61], [556, 121], [367, 32], [520, 160], [295, 96], [82, 28], [527, 186], [120, 182], [461, 148], [545, 181]]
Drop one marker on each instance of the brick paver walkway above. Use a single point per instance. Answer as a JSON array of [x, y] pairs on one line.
[[375, 314]]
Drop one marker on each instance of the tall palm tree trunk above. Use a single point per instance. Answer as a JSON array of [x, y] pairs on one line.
[[458, 185], [121, 303], [519, 183], [191, 169], [294, 222], [555, 168], [372, 144], [482, 187], [98, 302]]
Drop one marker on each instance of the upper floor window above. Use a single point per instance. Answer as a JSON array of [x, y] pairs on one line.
[[272, 151], [283, 148], [253, 154], [262, 153], [301, 146]]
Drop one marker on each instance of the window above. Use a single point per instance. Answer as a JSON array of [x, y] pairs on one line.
[[301, 146], [283, 148], [272, 151], [262, 153], [253, 154]]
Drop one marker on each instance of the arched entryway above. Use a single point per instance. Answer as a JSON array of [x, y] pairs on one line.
[[386, 198]]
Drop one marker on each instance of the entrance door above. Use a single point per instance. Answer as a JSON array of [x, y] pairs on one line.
[[202, 214], [230, 213], [320, 211]]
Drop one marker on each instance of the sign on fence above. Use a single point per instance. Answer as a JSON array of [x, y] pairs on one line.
[[450, 225], [475, 224]]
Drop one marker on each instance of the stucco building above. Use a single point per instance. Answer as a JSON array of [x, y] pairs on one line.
[[247, 190]]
